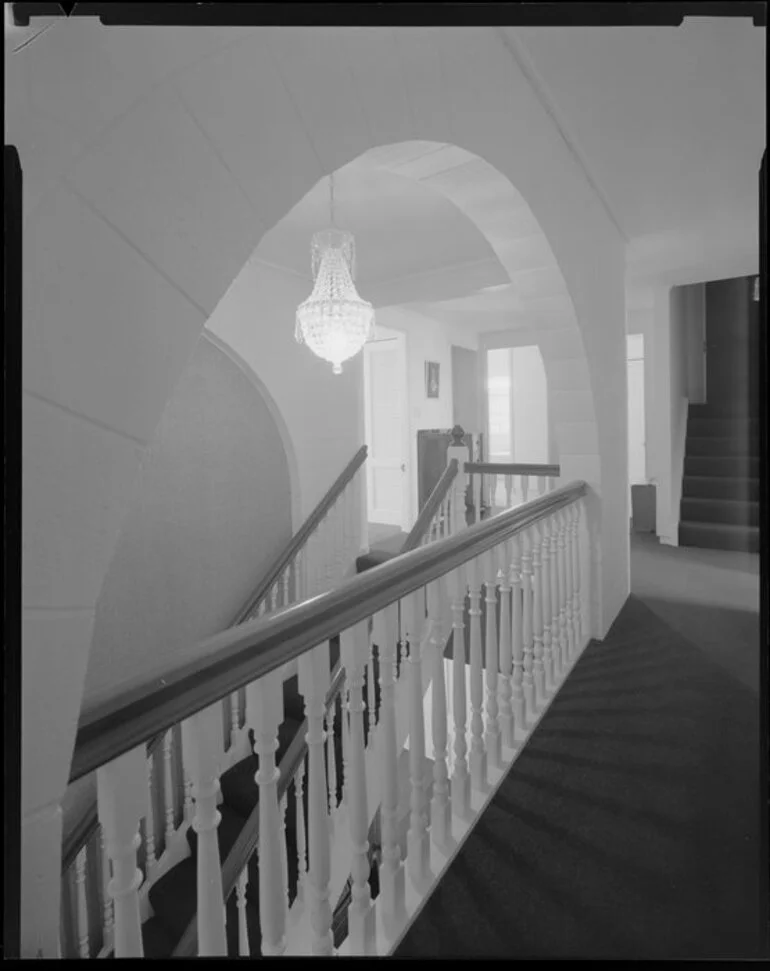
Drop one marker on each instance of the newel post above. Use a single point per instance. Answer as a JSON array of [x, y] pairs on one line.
[[458, 450]]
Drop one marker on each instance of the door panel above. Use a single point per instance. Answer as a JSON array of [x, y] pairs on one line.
[[386, 420]]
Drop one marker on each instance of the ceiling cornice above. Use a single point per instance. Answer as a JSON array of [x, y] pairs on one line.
[[516, 49]]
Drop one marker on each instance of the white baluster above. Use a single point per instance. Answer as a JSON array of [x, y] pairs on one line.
[[537, 617], [168, 785], [476, 485], [493, 484], [243, 927], [441, 807], [189, 807], [314, 683], [82, 901], [478, 754], [235, 717], [578, 613], [461, 780], [121, 804], [273, 597], [264, 711], [524, 487], [331, 759], [299, 572], [285, 586], [541, 485], [492, 738], [149, 820], [556, 593], [355, 651], [571, 644], [517, 648], [345, 743], [508, 491], [371, 708], [282, 807], [392, 873], [505, 716], [200, 735], [562, 557], [550, 656], [299, 779], [526, 623], [418, 841], [108, 923]]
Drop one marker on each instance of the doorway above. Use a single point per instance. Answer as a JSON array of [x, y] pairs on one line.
[[387, 437]]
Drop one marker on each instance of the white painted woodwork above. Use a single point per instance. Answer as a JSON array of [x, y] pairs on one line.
[[441, 806], [518, 706], [526, 624], [355, 653], [567, 520], [201, 734], [505, 713], [478, 753], [392, 872], [538, 672], [492, 738], [387, 431], [313, 685], [189, 808], [418, 839], [149, 820], [561, 554], [508, 479], [461, 780], [331, 760], [81, 861], [108, 921], [577, 616], [282, 807], [264, 710], [235, 717], [541, 485], [168, 785], [476, 479], [240, 898], [121, 801], [546, 596], [298, 907], [553, 576], [524, 488], [371, 712]]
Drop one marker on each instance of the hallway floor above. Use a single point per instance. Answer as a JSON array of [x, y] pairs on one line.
[[629, 827]]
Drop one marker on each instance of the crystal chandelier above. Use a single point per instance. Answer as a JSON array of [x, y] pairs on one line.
[[334, 321]]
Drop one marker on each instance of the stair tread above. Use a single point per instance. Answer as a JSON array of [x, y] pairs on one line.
[[720, 527], [736, 502]]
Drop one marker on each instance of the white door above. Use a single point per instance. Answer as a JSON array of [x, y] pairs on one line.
[[386, 429]]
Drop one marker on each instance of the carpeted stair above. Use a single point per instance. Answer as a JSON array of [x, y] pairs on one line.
[[720, 487]]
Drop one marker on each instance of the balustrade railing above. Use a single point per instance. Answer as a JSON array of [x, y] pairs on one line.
[[503, 485], [316, 558], [430, 719]]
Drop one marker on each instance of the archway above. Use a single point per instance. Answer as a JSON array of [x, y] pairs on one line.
[[156, 165]]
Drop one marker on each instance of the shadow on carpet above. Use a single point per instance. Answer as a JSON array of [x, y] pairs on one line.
[[628, 828]]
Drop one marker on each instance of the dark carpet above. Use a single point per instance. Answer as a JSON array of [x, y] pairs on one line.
[[630, 825]]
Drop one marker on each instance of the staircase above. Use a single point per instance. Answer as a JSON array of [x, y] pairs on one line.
[[720, 486]]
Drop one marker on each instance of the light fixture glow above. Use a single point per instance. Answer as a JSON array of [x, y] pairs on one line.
[[334, 322]]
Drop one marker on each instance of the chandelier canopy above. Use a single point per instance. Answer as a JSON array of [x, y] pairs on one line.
[[334, 321]]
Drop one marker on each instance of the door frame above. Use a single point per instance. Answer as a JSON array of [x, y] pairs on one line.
[[388, 335]]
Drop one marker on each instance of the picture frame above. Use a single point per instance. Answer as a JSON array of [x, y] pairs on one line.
[[432, 376]]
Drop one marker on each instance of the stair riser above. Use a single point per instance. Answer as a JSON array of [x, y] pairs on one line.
[[710, 539], [720, 488], [723, 428], [736, 468], [716, 511], [722, 447]]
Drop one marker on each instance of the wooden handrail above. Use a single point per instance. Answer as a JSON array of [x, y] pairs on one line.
[[431, 507], [246, 844], [228, 661], [301, 536], [89, 821], [513, 468]]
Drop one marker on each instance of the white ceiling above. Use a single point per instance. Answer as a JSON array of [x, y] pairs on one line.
[[668, 124]]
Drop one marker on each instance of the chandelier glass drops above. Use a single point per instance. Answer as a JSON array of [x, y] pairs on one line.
[[334, 322]]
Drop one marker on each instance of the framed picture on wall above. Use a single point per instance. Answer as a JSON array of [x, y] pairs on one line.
[[431, 379]]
